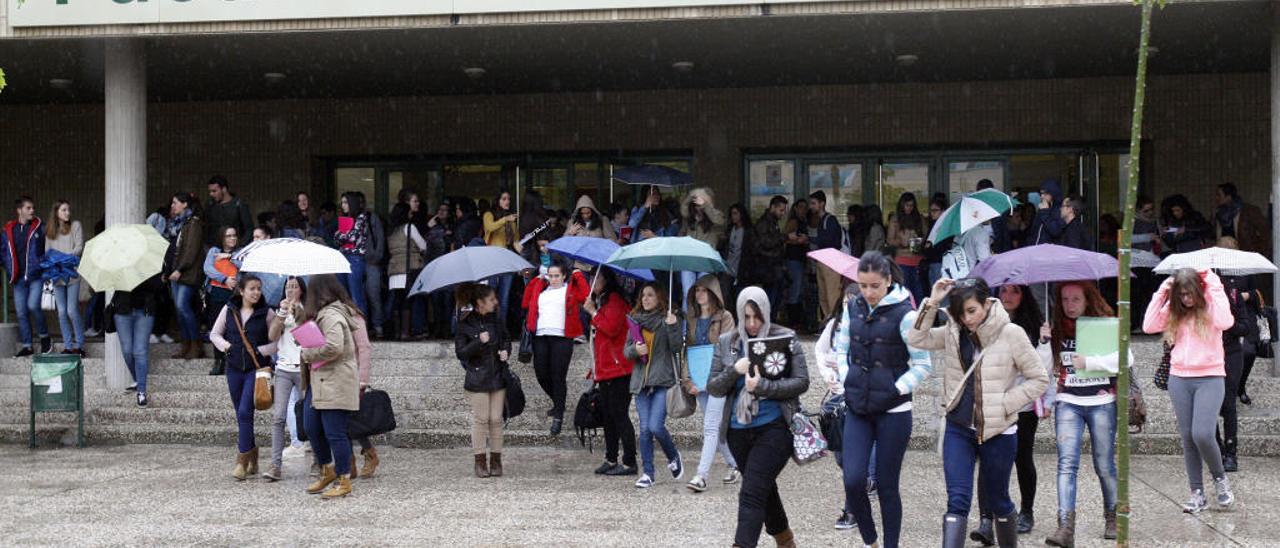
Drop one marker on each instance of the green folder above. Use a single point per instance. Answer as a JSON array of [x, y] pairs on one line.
[[1097, 337]]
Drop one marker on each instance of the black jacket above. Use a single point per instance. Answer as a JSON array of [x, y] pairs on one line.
[[480, 360], [1075, 235]]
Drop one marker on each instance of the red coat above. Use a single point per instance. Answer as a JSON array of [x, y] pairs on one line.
[[611, 336], [575, 295]]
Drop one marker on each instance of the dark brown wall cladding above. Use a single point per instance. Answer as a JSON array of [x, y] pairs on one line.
[[1202, 129]]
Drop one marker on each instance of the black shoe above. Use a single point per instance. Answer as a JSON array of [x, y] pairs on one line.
[[133, 387], [1026, 522], [556, 424], [551, 413], [985, 533], [26, 351], [46, 345], [953, 527], [1245, 399], [1230, 463], [846, 521], [604, 468], [621, 470], [219, 367], [142, 399]]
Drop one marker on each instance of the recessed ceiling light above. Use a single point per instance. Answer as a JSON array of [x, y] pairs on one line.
[[682, 66], [906, 60], [60, 83], [474, 73], [274, 77]]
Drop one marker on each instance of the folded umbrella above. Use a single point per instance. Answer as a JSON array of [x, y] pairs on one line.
[[595, 252], [1230, 262], [844, 264], [59, 266], [291, 257], [122, 256], [468, 264]]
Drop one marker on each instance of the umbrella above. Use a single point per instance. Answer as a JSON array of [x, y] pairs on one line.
[[468, 264], [56, 265], [654, 175], [1141, 258], [972, 210], [670, 253], [122, 257], [844, 264], [1231, 262], [594, 251], [291, 257], [1045, 263]]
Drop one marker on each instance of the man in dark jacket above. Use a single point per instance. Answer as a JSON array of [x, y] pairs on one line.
[[1074, 234], [767, 243], [1047, 226], [21, 248], [829, 236], [224, 209], [1242, 221]]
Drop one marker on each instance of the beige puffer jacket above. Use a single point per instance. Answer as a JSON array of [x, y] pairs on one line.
[[1006, 368]]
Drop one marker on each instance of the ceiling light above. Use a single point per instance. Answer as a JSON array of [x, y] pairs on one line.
[[682, 66], [474, 73], [60, 83], [906, 60], [274, 77]]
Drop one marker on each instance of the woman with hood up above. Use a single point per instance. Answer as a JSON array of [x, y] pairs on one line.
[[706, 319], [588, 221], [760, 409], [702, 221]]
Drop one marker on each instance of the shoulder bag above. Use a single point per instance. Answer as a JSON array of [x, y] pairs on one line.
[[680, 403], [263, 395]]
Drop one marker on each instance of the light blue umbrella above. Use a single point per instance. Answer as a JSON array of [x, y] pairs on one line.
[[670, 253], [594, 251], [469, 264]]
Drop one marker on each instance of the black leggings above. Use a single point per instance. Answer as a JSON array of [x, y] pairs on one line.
[[762, 452], [1250, 354], [1024, 463], [615, 395], [551, 357], [1234, 361]]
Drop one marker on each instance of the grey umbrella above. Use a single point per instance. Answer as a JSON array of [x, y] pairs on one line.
[[469, 264]]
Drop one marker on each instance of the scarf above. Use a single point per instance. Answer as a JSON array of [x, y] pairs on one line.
[[176, 224]]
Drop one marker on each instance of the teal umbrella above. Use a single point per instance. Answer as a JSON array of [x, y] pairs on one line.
[[671, 254], [970, 212]]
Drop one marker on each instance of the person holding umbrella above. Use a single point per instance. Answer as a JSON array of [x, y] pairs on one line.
[[612, 372], [482, 347], [134, 315], [551, 304]]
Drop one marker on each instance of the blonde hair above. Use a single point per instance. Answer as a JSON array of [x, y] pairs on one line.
[[1186, 280], [1228, 242]]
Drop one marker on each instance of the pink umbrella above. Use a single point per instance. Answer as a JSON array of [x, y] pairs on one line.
[[844, 264]]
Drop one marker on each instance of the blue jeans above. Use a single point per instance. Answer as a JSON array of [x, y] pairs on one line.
[[240, 384], [501, 285], [912, 275], [651, 405], [889, 432], [184, 301], [26, 301], [354, 282], [712, 440], [327, 432], [68, 298], [960, 452], [795, 271], [134, 330], [1070, 422]]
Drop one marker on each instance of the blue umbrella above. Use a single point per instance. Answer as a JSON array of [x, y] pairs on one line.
[[655, 175], [56, 265], [594, 251], [670, 253], [468, 264]]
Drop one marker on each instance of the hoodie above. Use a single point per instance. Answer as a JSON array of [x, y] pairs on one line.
[[720, 323], [724, 379], [713, 233], [603, 228], [1047, 226]]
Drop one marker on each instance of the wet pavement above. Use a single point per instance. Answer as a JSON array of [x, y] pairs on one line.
[[183, 495]]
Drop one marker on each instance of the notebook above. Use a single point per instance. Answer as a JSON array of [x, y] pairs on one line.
[[699, 360], [1095, 338], [770, 357]]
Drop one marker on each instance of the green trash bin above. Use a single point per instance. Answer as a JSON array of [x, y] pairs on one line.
[[57, 384]]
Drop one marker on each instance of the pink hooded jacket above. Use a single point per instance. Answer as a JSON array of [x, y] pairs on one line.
[[1194, 355]]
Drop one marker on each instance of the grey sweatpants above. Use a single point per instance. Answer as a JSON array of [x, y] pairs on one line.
[[1196, 401], [284, 383]]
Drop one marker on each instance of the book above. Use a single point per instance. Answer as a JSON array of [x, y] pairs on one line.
[[640, 334], [308, 335], [699, 360], [770, 357], [345, 224], [1096, 338]]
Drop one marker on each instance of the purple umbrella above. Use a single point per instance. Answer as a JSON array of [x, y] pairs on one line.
[[1045, 263]]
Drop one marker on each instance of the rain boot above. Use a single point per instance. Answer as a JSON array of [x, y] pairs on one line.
[[370, 462], [785, 539], [327, 476], [984, 533], [953, 527], [1109, 531], [251, 462], [495, 465], [241, 470], [1007, 530], [354, 473], [482, 465], [340, 488], [1065, 536]]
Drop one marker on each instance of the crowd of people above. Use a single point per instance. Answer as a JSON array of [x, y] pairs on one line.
[[1005, 366]]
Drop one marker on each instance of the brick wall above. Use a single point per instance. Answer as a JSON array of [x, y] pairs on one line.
[[1202, 129]]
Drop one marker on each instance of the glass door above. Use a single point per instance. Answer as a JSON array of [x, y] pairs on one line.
[[964, 174], [769, 178], [841, 181], [897, 177]]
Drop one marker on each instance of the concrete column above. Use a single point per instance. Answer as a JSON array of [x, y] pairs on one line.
[[125, 158], [1275, 153]]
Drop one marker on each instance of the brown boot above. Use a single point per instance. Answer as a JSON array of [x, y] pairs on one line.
[[1065, 536], [197, 351], [482, 466], [241, 470], [182, 352], [252, 462], [354, 473], [495, 465], [785, 539], [370, 462], [1109, 532], [327, 476], [340, 489]]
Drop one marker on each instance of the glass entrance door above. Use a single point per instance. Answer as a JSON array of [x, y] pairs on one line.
[[898, 177]]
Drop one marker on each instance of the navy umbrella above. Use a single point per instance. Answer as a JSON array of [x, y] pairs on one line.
[[652, 175]]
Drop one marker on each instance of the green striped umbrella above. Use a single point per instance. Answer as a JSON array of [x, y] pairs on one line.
[[971, 211]]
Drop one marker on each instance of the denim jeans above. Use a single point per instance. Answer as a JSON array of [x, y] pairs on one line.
[[68, 298], [1070, 423], [354, 282], [889, 433], [762, 452], [184, 302], [373, 281], [240, 385], [501, 285], [795, 273], [651, 406], [327, 432], [282, 388], [134, 330], [912, 275], [712, 416], [960, 452], [26, 302]]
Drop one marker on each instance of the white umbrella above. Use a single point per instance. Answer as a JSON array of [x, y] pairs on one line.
[[291, 257], [1231, 262], [1141, 258]]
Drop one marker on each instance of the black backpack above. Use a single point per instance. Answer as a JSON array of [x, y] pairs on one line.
[[588, 417]]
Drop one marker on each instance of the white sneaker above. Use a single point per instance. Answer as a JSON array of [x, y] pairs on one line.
[[697, 484], [1222, 488], [644, 482], [293, 452], [166, 339], [732, 476], [91, 333], [154, 339]]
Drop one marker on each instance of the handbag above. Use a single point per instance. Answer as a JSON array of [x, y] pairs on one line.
[[525, 354], [1137, 412], [47, 301], [374, 417], [680, 403], [807, 441], [1161, 378], [514, 404], [832, 420], [263, 395]]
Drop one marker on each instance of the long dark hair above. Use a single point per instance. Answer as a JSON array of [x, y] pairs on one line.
[[532, 214], [496, 207], [742, 215], [911, 220], [325, 289], [876, 262], [1027, 315], [289, 216], [976, 289], [469, 295], [874, 216], [610, 285], [302, 287], [355, 203], [657, 290]]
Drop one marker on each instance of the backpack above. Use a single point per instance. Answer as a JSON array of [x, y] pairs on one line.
[[588, 417], [955, 264]]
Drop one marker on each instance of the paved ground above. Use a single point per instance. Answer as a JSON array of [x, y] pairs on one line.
[[141, 495]]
